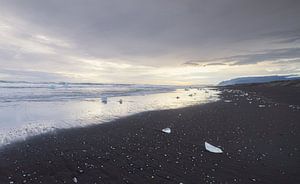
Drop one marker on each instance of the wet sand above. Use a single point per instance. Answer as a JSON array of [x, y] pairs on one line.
[[259, 134]]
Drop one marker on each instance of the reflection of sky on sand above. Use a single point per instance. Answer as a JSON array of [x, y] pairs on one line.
[[22, 119]]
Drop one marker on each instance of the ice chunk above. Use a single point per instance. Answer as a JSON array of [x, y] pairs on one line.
[[51, 86], [75, 180], [166, 130], [261, 106], [65, 85], [227, 101], [104, 100], [212, 148]]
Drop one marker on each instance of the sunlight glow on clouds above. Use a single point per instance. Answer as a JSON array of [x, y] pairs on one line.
[[191, 42]]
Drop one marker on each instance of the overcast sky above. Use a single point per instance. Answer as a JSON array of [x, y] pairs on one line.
[[148, 41]]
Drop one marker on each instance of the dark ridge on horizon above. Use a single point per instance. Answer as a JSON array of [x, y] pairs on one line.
[[258, 79]]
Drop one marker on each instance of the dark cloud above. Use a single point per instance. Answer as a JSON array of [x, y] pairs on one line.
[[270, 55], [203, 63], [284, 36], [191, 63], [215, 64], [152, 28], [254, 58]]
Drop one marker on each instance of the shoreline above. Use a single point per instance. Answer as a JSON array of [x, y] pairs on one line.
[[259, 143], [41, 117]]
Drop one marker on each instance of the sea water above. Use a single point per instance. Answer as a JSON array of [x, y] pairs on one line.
[[28, 109]]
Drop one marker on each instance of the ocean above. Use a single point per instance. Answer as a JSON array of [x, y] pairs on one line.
[[28, 109]]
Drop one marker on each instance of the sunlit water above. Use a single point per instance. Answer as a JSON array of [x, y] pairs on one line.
[[28, 109]]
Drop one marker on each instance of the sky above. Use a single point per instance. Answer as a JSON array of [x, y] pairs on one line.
[[148, 42]]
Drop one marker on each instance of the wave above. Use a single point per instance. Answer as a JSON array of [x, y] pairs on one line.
[[57, 91], [34, 110]]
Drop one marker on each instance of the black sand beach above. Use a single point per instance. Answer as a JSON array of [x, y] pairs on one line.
[[257, 126]]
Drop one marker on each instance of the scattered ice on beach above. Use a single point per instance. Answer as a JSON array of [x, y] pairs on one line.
[[212, 148], [75, 180], [261, 106], [166, 130]]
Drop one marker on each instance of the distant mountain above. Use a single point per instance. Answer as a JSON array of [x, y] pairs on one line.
[[261, 79]]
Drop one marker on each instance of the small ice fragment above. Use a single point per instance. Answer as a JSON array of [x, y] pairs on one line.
[[66, 85], [166, 130], [75, 180], [51, 86], [212, 148], [261, 106], [227, 101], [104, 100]]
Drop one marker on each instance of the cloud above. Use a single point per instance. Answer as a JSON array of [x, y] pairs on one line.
[[191, 63], [284, 36], [269, 55], [31, 75], [122, 40], [274, 55], [203, 63]]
